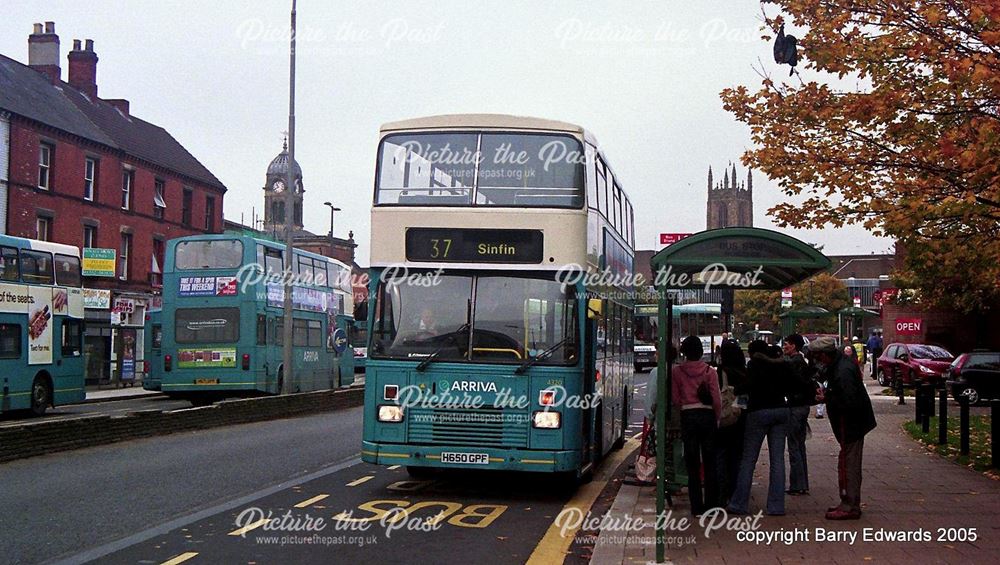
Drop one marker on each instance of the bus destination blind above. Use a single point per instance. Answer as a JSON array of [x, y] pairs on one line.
[[473, 245]]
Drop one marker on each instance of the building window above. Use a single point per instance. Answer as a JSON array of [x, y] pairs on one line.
[[156, 268], [89, 236], [123, 256], [45, 153], [298, 214], [89, 178], [43, 228], [128, 177], [186, 207], [159, 202], [209, 214]]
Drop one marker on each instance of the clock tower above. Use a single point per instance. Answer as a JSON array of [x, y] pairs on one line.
[[276, 194]]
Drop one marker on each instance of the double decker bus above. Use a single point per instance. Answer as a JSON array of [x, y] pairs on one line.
[[481, 228], [41, 325], [222, 319]]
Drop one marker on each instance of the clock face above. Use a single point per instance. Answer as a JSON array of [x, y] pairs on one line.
[[278, 186]]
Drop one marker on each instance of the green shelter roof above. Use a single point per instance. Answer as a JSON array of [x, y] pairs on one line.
[[737, 258]]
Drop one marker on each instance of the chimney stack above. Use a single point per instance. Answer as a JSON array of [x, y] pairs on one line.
[[43, 51], [83, 68]]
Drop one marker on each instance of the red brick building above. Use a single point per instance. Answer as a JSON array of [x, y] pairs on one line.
[[82, 170]]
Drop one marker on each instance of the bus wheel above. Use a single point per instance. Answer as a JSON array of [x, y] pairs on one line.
[[41, 395], [419, 472]]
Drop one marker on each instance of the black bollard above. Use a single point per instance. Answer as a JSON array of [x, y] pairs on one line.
[[943, 417], [963, 425], [927, 399], [995, 433], [918, 405], [898, 383]]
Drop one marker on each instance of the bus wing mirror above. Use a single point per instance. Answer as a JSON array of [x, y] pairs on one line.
[[595, 307]]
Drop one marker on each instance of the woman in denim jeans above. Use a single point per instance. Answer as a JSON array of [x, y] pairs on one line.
[[767, 416], [699, 422]]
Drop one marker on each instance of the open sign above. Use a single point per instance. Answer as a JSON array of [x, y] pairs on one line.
[[909, 326]]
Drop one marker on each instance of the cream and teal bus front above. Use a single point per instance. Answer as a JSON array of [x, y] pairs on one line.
[[482, 369]]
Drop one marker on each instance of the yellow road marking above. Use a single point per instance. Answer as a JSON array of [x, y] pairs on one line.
[[553, 547], [311, 501], [180, 558], [248, 527], [393, 468], [357, 482]]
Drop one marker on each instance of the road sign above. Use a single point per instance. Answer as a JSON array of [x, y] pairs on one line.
[[786, 293], [339, 340], [671, 238], [857, 302]]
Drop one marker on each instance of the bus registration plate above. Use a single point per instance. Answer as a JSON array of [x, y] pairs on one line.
[[465, 458], [206, 381]]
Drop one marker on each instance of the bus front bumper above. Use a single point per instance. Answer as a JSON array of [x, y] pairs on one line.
[[495, 458]]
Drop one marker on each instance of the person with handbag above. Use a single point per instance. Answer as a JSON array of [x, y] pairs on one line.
[[695, 390], [732, 375], [767, 417]]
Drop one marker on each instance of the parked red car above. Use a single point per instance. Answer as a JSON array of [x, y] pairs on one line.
[[913, 362]]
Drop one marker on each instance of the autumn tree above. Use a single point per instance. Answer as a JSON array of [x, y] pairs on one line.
[[764, 307], [892, 122]]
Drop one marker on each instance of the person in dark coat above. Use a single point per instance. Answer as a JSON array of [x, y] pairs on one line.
[[851, 417], [767, 418], [732, 368]]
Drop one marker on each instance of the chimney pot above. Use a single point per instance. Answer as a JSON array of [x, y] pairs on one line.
[[43, 51], [83, 69]]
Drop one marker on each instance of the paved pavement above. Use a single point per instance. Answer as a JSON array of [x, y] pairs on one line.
[[906, 489], [103, 395]]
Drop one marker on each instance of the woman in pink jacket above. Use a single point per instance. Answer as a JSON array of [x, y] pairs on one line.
[[695, 390]]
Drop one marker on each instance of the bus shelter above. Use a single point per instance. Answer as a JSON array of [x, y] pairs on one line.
[[725, 258], [790, 319], [848, 320]]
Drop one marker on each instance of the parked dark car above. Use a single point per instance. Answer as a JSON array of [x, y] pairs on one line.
[[975, 375], [913, 362]]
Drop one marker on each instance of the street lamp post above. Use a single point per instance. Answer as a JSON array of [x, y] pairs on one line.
[[286, 373], [332, 210]]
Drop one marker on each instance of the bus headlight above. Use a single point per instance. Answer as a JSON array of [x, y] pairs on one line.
[[390, 413], [546, 420]]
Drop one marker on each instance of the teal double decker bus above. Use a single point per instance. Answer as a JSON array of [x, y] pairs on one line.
[[489, 347], [41, 325], [222, 319]]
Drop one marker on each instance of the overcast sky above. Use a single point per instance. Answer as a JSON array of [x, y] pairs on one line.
[[643, 77]]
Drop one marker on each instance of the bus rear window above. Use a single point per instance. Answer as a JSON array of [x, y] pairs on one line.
[[36, 267], [207, 325], [209, 254], [67, 270]]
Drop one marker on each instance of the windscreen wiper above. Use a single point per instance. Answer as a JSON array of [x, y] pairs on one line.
[[540, 357], [430, 358]]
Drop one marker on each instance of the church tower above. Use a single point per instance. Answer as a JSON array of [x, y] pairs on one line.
[[730, 202], [275, 195]]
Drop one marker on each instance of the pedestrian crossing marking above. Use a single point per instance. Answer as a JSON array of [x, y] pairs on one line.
[[180, 558], [361, 480], [311, 501], [249, 527]]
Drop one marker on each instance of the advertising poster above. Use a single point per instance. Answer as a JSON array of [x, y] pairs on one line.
[[196, 286], [39, 325], [128, 355], [206, 358], [225, 286]]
